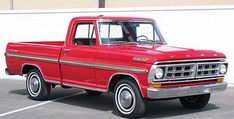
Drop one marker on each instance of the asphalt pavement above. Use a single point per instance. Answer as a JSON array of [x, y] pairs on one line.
[[76, 104]]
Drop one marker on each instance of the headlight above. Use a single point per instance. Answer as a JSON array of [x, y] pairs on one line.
[[222, 69], [159, 73]]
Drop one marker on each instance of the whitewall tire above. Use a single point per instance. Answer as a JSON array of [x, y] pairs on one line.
[[36, 86], [128, 100]]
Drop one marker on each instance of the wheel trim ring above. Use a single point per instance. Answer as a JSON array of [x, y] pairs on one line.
[[121, 105], [33, 75], [117, 99]]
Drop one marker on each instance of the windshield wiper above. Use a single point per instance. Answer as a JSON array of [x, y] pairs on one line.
[[124, 42], [150, 42], [117, 42]]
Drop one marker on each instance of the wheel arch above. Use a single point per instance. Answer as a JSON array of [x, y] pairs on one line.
[[120, 76], [27, 67]]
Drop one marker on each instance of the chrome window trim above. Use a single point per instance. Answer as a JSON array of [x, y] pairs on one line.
[[151, 21]]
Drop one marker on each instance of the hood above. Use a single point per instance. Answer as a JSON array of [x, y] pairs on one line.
[[156, 52]]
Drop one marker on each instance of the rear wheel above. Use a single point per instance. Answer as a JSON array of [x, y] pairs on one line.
[[195, 102], [36, 86], [93, 93], [128, 100]]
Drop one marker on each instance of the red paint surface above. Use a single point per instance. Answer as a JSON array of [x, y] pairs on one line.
[[114, 55]]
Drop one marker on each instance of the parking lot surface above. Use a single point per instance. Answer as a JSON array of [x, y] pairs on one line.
[[76, 104]]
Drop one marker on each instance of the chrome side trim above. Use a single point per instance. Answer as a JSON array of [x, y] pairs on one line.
[[77, 63], [85, 87], [70, 62], [119, 73], [45, 59], [104, 66], [162, 93], [120, 68]]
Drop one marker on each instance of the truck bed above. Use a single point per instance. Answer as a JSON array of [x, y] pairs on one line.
[[44, 54]]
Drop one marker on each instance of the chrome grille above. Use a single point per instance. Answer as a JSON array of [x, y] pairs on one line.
[[190, 70], [207, 69], [179, 71]]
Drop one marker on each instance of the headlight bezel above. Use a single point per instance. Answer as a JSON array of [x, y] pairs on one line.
[[223, 67], [159, 73]]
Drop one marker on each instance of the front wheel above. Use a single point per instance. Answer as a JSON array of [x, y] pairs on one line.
[[36, 86], [128, 100], [195, 102]]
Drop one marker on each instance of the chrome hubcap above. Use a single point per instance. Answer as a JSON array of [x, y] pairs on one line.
[[125, 99], [34, 84]]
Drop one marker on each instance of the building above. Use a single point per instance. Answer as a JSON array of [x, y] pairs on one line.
[[76, 4]]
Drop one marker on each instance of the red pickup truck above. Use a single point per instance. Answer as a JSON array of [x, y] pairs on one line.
[[124, 55]]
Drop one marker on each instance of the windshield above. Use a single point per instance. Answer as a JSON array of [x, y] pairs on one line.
[[117, 32]]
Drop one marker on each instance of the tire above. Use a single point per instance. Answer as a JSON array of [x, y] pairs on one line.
[[195, 102], [128, 100], [93, 93], [36, 86]]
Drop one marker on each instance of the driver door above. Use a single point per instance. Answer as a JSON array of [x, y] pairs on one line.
[[77, 58]]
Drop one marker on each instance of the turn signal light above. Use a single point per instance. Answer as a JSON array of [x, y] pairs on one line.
[[219, 80], [156, 85]]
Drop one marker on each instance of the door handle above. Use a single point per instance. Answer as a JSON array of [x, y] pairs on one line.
[[66, 50]]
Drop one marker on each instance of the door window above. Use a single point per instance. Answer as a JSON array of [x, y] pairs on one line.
[[85, 34]]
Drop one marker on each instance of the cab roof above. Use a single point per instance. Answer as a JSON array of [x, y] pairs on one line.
[[102, 17]]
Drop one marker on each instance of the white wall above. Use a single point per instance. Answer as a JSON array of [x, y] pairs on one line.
[[197, 27]]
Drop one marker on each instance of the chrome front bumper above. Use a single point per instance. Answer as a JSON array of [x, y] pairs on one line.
[[161, 93]]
